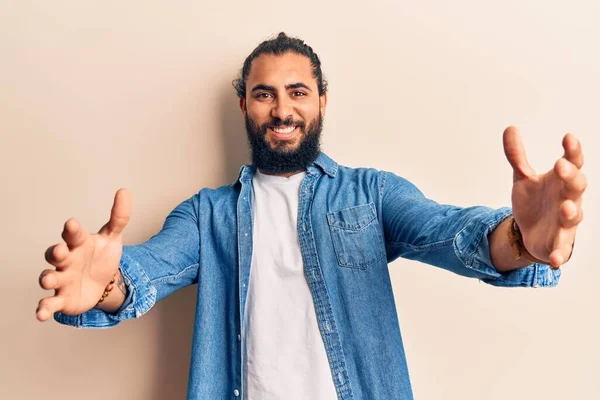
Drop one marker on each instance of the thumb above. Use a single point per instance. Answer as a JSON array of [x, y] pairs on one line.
[[515, 154], [120, 213]]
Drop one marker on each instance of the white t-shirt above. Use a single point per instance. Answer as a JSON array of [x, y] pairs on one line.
[[282, 348]]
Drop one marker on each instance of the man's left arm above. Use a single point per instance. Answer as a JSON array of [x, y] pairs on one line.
[[474, 241]]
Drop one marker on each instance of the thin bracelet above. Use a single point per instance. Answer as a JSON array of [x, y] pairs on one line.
[[108, 288], [516, 241]]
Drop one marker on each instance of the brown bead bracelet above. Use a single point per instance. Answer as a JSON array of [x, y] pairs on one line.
[[107, 290]]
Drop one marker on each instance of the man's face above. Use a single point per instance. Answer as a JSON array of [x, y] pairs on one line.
[[283, 112]]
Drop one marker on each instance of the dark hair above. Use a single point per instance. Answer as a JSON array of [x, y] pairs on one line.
[[278, 46]]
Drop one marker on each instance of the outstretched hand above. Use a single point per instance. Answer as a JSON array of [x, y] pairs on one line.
[[547, 207], [84, 263]]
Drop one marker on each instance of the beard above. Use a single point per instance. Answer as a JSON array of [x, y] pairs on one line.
[[278, 159]]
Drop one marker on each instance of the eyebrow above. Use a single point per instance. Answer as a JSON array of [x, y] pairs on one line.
[[268, 88]]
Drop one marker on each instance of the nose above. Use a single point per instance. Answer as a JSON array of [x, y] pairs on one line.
[[282, 109]]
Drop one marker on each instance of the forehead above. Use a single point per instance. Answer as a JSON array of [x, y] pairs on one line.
[[281, 69]]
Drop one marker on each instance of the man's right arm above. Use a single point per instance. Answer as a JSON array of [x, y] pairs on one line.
[[145, 273]]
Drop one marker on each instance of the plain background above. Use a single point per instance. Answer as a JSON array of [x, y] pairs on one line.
[[97, 95]]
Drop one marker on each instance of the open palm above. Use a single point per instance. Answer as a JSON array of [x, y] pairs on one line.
[[547, 207], [84, 264]]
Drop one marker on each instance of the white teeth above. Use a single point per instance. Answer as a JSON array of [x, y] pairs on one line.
[[289, 129]]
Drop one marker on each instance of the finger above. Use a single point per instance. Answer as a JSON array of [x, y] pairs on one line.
[[57, 255], [515, 154], [50, 279], [120, 213], [48, 306], [570, 214], [574, 181], [562, 247], [573, 151], [73, 233]]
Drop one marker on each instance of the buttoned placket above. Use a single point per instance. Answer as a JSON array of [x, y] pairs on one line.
[[244, 234], [314, 274]]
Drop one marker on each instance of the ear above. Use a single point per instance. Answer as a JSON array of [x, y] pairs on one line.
[[323, 104], [243, 105]]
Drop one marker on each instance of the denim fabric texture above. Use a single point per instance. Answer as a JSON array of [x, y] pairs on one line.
[[352, 222]]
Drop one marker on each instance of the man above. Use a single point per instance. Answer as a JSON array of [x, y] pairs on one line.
[[294, 296]]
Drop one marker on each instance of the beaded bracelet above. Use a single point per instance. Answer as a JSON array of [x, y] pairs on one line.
[[107, 290]]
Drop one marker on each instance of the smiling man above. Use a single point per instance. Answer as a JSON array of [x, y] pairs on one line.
[[283, 109], [294, 296]]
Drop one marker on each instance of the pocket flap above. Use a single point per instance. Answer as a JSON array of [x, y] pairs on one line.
[[353, 218]]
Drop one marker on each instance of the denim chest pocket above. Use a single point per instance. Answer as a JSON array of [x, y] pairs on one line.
[[357, 237]]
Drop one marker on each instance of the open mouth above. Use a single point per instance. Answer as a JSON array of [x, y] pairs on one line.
[[283, 132]]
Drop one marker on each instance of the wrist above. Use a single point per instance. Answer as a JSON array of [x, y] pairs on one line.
[[515, 239], [108, 288], [116, 297]]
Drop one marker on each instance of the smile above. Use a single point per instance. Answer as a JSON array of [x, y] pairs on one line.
[[283, 133]]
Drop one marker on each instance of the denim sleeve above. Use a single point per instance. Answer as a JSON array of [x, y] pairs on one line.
[[449, 237], [165, 263]]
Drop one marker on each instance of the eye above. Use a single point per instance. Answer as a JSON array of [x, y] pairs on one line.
[[264, 95], [299, 94]]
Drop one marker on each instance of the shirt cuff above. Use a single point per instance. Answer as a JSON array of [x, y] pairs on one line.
[[473, 248], [140, 298]]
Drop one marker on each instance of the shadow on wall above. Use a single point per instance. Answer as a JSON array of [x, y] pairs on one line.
[[233, 132], [177, 312]]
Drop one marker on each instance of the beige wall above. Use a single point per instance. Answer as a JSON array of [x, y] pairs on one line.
[[99, 95]]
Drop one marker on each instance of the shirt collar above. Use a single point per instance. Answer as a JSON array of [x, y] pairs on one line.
[[322, 162]]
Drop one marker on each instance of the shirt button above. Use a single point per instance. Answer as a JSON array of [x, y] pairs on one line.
[[236, 393], [239, 338]]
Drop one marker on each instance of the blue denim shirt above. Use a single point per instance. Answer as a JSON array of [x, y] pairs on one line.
[[352, 222]]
